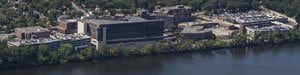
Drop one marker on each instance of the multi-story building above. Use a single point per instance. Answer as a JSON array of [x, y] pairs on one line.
[[254, 30], [32, 32], [144, 14], [78, 41], [67, 26], [205, 24], [179, 13], [129, 31], [251, 18]]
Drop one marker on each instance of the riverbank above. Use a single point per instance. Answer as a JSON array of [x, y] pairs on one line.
[[134, 56], [272, 60], [26, 57]]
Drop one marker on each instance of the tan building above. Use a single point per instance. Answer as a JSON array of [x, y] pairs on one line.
[[32, 32], [179, 13], [67, 26], [223, 33], [196, 33]]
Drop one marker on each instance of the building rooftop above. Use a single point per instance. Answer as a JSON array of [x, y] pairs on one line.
[[196, 29], [53, 38], [254, 19], [268, 28], [6, 36], [195, 23], [126, 19], [63, 17], [167, 9], [71, 20], [251, 16], [223, 31], [189, 23], [32, 29]]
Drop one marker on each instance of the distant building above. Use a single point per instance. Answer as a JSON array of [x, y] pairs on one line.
[[179, 13], [223, 33], [197, 30], [4, 37], [63, 17], [68, 26], [78, 41], [128, 30], [32, 32], [144, 14], [169, 20], [196, 33], [251, 18], [254, 30], [205, 24]]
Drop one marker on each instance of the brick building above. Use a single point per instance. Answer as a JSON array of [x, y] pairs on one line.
[[32, 32], [67, 26], [179, 13]]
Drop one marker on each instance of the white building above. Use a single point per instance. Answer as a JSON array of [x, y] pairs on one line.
[[78, 41]]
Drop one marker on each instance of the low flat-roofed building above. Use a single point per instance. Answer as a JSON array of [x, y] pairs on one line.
[[223, 33], [252, 31], [196, 33], [205, 24], [6, 36], [63, 17], [32, 32], [78, 41], [251, 18]]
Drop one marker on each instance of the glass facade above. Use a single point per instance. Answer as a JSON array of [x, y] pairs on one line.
[[127, 32]]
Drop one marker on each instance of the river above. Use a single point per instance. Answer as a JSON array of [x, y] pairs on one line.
[[261, 60]]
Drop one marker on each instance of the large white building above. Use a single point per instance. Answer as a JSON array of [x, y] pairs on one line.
[[253, 31], [78, 41]]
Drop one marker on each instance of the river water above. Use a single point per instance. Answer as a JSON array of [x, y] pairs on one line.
[[262, 60]]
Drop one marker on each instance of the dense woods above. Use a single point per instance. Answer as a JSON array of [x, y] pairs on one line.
[[288, 7]]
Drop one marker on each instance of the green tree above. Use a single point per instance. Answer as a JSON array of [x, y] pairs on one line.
[[43, 53], [147, 49], [64, 53], [86, 54]]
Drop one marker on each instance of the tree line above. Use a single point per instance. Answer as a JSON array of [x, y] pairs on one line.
[[26, 56], [214, 6], [288, 7]]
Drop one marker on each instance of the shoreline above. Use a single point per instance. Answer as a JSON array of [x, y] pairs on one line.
[[143, 55], [27, 57]]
